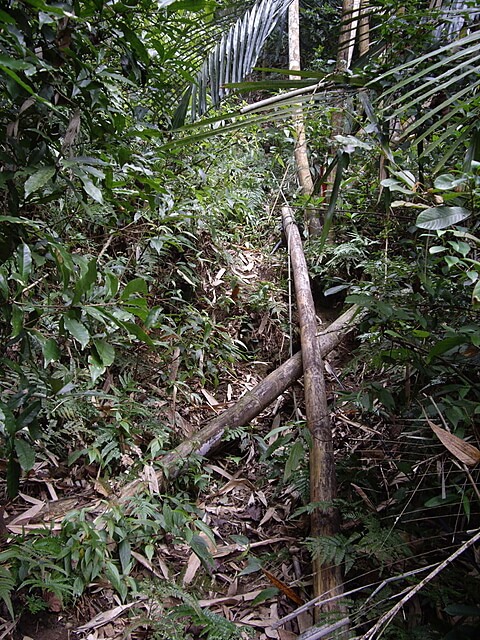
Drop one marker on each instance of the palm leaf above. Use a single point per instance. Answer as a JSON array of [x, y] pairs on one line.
[[234, 57]]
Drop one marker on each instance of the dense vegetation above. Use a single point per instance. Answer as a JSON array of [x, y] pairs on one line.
[[143, 282]]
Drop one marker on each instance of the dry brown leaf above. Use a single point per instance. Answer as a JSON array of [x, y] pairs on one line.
[[27, 515], [241, 597], [268, 515], [102, 488], [226, 550], [28, 528], [285, 589], [150, 477], [213, 402], [463, 451], [105, 617], [364, 496]]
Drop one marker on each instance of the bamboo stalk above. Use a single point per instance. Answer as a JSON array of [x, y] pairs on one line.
[[324, 517], [247, 408]]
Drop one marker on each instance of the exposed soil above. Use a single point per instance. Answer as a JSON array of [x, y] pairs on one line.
[[44, 626]]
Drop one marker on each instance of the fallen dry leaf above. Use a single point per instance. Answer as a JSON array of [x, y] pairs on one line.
[[466, 453]]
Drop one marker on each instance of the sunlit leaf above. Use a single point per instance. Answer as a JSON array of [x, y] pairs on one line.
[[24, 262], [441, 217], [105, 351], [77, 330], [447, 182], [38, 180], [92, 190]]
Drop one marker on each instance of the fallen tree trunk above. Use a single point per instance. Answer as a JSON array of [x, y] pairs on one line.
[[323, 486], [248, 407]]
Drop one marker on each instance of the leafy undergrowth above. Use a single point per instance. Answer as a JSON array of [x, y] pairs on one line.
[[223, 550]]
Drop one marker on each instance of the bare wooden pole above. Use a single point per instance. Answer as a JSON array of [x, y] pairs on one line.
[[324, 518], [247, 408], [300, 150]]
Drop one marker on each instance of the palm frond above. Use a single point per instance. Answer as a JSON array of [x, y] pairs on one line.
[[235, 55], [443, 85]]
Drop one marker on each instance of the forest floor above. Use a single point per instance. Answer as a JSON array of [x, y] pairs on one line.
[[261, 569]]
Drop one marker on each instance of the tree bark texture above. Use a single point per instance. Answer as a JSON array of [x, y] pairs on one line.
[[246, 409], [324, 518], [364, 29]]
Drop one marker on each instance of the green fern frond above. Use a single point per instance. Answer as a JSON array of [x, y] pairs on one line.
[[7, 585]]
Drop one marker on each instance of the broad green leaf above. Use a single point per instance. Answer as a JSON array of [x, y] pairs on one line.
[[86, 282], [5, 18], [125, 555], [252, 567], [476, 294], [114, 576], [77, 330], [95, 367], [460, 247], [445, 345], [25, 454], [92, 190], [51, 352], [441, 217], [183, 5], [266, 594], [38, 180], [395, 185], [17, 321], [200, 548], [447, 182], [106, 352], [297, 454], [8, 424], [452, 261], [464, 610], [137, 285], [111, 285], [29, 414], [4, 286], [24, 262], [350, 143], [154, 318], [64, 263], [26, 86], [136, 44], [12, 63], [35, 224], [139, 333], [137, 307], [14, 471]]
